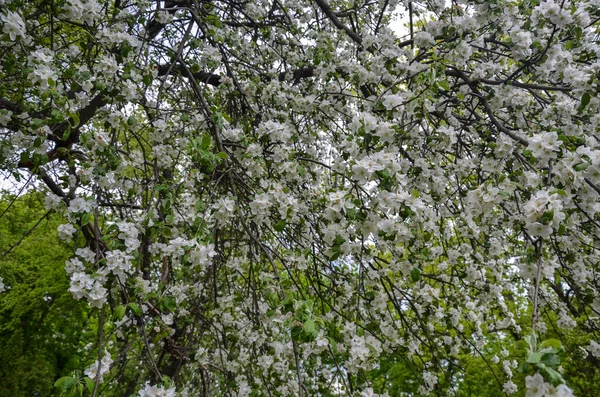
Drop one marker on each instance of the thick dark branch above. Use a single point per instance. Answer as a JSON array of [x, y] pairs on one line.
[[13, 107], [85, 115], [296, 75], [526, 85], [201, 77], [324, 6], [216, 80], [592, 185]]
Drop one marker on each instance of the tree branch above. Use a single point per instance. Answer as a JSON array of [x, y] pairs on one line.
[[324, 6]]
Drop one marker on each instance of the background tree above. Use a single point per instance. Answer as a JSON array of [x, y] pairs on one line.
[[43, 331]]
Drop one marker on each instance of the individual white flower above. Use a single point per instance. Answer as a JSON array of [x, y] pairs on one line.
[[368, 392], [167, 318], [430, 380], [13, 25], [536, 387], [521, 45], [80, 284], [43, 75], [391, 101], [261, 204], [117, 263], [539, 229], [254, 150], [129, 234], [163, 17], [86, 11], [559, 391], [52, 201], [144, 286], [86, 254], [509, 387], [5, 116], [97, 295], [202, 254], [424, 39], [66, 231], [81, 205], [74, 265], [157, 391], [2, 286], [40, 55]]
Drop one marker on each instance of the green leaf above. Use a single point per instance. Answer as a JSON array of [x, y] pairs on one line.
[[135, 308], [66, 134], [552, 343], [555, 376], [279, 226], [585, 100], [161, 188], [334, 256], [25, 157], [205, 143], [550, 360], [415, 274], [119, 312], [167, 304], [296, 332], [36, 123], [87, 218], [339, 240], [534, 358], [75, 118], [90, 384], [222, 155], [310, 326], [65, 383], [311, 330]]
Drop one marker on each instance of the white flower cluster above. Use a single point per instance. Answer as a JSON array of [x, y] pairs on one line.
[[87, 11], [521, 44], [544, 145], [83, 285], [594, 349], [105, 363], [43, 71], [541, 205], [129, 235]]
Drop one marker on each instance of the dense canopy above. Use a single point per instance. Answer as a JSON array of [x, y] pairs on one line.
[[324, 197]]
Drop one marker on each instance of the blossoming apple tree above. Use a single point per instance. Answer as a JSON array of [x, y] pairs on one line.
[[287, 197]]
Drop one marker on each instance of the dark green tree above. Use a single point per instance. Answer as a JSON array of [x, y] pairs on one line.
[[42, 328]]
